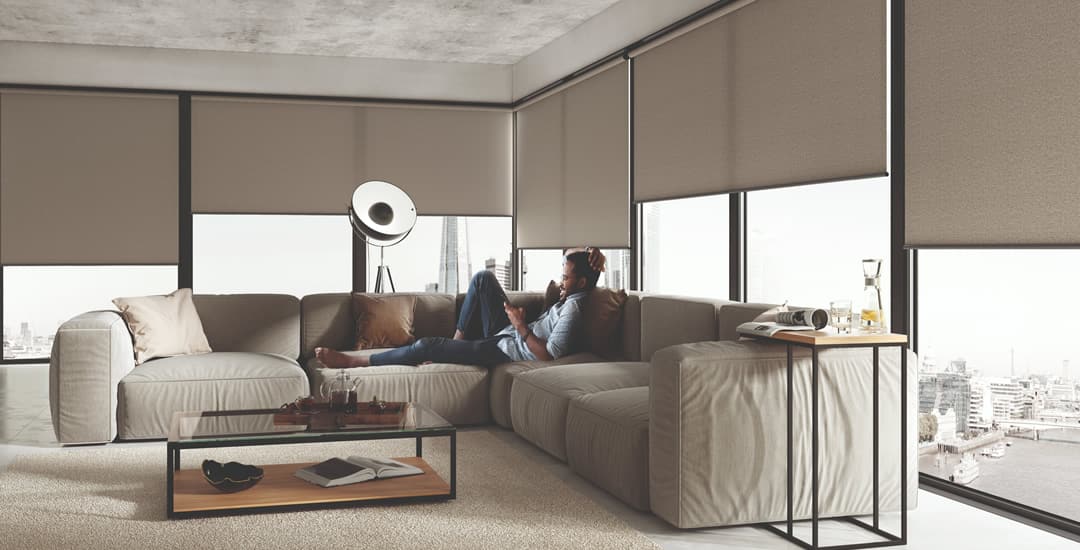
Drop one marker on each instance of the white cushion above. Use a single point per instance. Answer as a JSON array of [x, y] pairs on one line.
[[163, 326]]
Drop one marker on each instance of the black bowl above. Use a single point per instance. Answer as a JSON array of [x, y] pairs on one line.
[[231, 476]]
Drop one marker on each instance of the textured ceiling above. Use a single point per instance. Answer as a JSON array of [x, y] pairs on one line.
[[467, 31]]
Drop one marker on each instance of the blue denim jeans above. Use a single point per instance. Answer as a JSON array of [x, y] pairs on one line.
[[482, 316]]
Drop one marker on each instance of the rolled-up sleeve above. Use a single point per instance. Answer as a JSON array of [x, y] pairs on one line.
[[561, 339]]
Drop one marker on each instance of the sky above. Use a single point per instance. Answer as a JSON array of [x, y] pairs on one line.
[[805, 246]]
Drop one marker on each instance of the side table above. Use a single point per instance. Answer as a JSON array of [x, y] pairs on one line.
[[818, 341]]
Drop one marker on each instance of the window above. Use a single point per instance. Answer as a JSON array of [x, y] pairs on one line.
[[442, 252], [284, 254], [37, 299], [685, 246], [542, 266], [998, 365], [805, 245]]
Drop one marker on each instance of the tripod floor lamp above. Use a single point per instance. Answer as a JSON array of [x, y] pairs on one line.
[[382, 215]]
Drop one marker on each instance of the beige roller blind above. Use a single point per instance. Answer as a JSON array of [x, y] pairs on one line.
[[776, 92], [450, 161], [251, 156], [573, 178], [992, 138], [88, 178]]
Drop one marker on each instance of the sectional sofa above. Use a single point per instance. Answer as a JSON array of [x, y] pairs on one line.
[[685, 421]]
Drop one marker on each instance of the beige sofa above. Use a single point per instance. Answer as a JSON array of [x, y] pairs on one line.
[[686, 422]]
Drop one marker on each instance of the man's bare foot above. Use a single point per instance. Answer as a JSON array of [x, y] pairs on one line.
[[336, 360], [458, 335]]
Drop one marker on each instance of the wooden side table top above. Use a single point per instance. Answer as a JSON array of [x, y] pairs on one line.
[[831, 338]]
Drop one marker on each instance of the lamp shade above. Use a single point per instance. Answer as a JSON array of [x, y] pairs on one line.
[[381, 213]]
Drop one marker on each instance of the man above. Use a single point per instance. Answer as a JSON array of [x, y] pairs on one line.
[[504, 336]]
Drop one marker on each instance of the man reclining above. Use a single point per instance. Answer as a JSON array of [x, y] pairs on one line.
[[504, 336]]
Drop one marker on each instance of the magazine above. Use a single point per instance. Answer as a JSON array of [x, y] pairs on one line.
[[354, 469], [767, 328], [799, 319]]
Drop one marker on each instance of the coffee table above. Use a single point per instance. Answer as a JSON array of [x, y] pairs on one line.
[[188, 494]]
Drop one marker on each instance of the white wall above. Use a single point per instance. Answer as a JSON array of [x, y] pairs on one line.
[[198, 70]]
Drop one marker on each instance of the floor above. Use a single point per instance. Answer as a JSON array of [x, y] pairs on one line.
[[939, 522]]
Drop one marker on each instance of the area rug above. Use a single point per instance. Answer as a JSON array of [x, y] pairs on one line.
[[114, 496]]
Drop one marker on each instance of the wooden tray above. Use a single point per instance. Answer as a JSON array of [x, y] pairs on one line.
[[366, 416]]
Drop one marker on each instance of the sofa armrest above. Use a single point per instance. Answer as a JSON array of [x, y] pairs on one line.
[[91, 353], [718, 429]]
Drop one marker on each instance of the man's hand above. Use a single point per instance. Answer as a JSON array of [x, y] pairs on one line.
[[516, 315], [597, 260]]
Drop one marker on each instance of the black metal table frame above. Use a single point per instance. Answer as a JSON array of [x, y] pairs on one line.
[[890, 538], [173, 464]]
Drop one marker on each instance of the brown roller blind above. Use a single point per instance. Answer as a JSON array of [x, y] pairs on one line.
[[251, 156], [991, 123], [307, 157], [573, 178], [450, 161], [776, 92], [88, 178]]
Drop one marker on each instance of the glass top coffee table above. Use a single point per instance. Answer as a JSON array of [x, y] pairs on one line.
[[188, 494]]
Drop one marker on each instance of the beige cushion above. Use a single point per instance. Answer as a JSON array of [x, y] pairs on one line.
[[383, 321], [163, 326], [260, 323], [149, 395], [539, 398], [607, 442], [458, 393], [670, 320], [502, 379], [602, 316]]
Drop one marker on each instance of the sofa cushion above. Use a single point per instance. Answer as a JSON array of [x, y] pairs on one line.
[[150, 394], [672, 320], [260, 323], [458, 393], [539, 398], [163, 326], [733, 314], [502, 379], [607, 442], [383, 321], [602, 315]]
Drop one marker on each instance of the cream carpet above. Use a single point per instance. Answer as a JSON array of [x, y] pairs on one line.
[[114, 496]]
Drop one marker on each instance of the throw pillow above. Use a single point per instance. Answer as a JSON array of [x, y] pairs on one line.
[[551, 295], [163, 326], [603, 310], [383, 321]]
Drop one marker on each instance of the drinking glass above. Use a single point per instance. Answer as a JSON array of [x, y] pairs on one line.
[[840, 315]]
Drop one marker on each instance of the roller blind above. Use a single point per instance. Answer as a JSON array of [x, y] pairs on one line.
[[88, 178], [262, 157], [450, 161], [573, 165], [991, 123], [251, 156], [776, 92]]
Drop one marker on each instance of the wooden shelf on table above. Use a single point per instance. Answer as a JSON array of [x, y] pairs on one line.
[[279, 487]]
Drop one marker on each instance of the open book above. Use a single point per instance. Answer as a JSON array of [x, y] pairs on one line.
[[354, 469]]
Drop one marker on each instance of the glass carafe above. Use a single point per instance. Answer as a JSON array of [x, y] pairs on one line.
[[872, 318], [340, 393]]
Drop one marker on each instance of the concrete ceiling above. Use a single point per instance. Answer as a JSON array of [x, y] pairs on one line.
[[462, 31]]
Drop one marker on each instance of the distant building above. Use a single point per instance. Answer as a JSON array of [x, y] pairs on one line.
[[501, 271], [617, 274], [946, 426], [431, 287], [25, 338], [981, 410], [941, 391], [1007, 396], [454, 267]]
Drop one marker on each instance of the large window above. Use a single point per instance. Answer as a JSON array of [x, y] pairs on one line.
[[685, 246], [998, 373], [538, 267], [441, 254], [805, 245], [284, 254], [38, 299]]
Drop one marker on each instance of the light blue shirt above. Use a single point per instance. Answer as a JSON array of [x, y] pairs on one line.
[[557, 325]]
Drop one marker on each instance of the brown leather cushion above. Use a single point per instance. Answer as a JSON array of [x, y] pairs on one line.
[[383, 321], [603, 310], [551, 294]]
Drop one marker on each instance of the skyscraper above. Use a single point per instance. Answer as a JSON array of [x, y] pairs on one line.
[[454, 266], [501, 271]]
